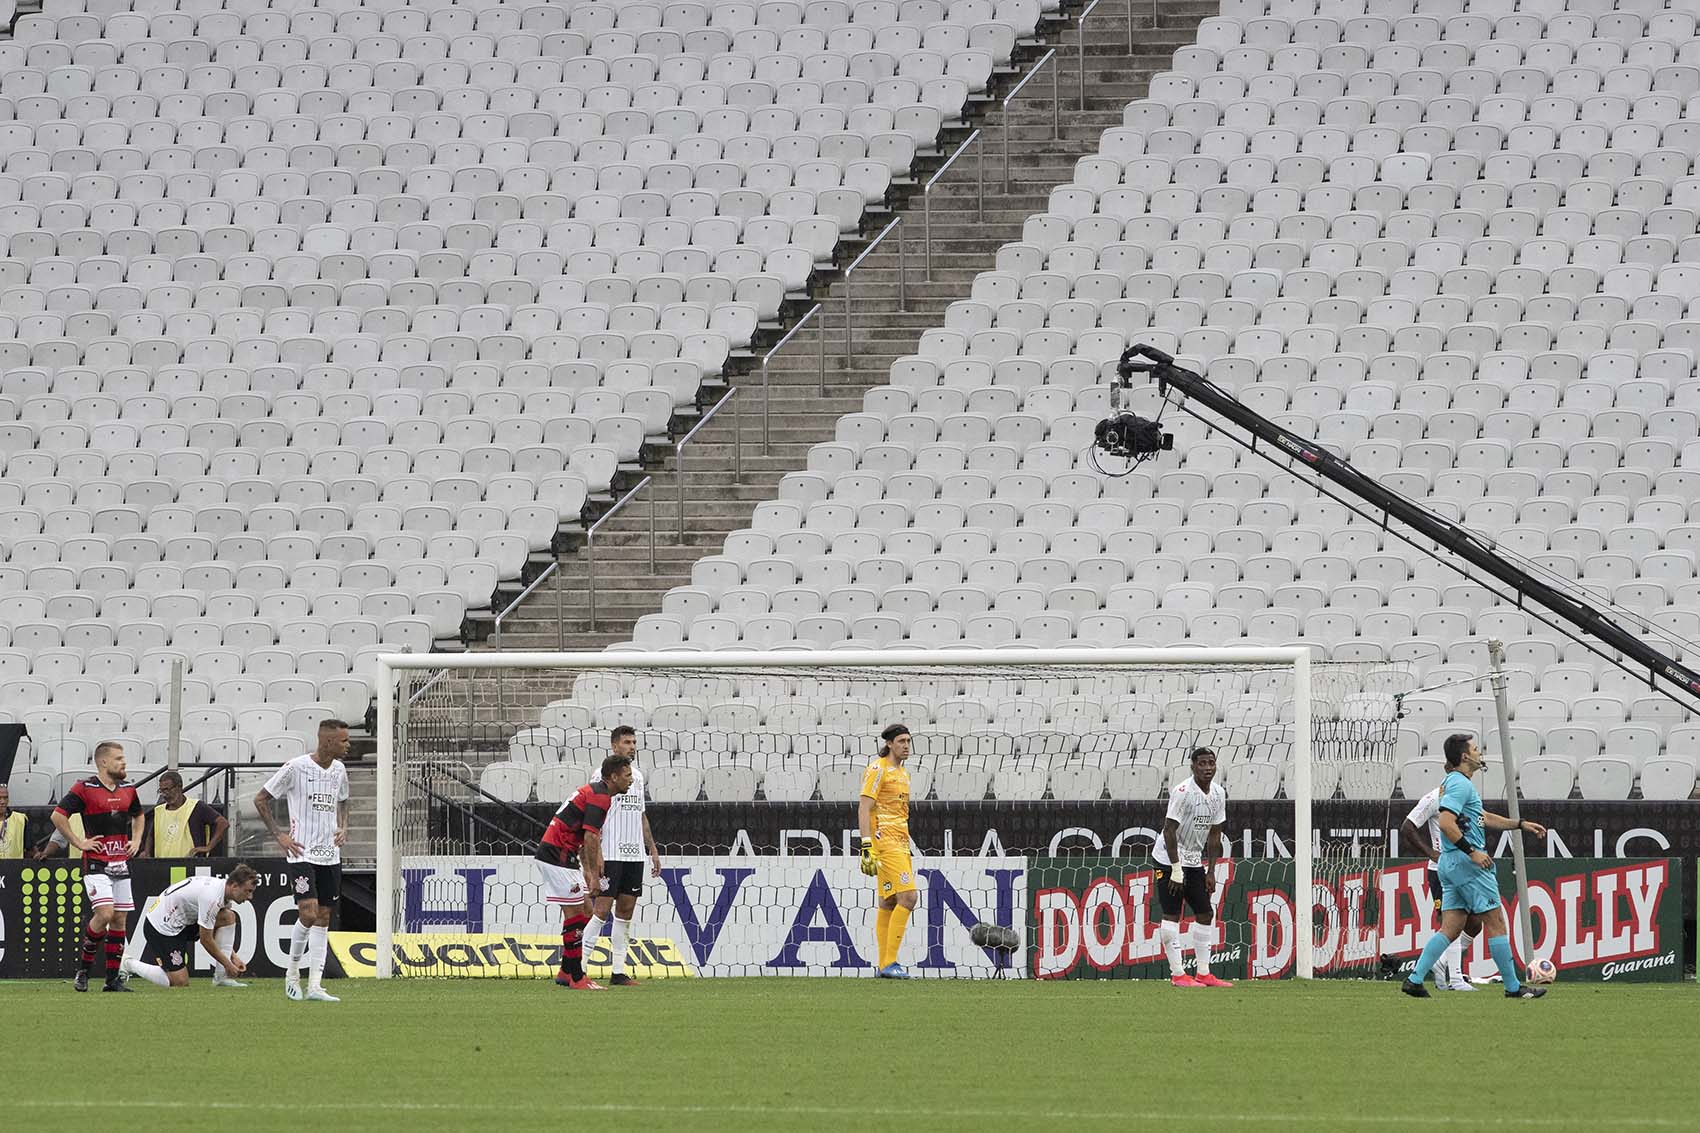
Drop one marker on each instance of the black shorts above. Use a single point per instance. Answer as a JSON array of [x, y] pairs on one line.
[[1194, 893], [172, 953], [621, 879], [310, 882]]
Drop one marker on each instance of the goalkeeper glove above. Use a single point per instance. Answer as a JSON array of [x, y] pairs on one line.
[[869, 866]]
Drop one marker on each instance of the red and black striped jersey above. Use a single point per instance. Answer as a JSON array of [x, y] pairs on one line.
[[586, 810], [106, 812]]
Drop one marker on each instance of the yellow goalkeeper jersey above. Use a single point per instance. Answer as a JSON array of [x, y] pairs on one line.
[[887, 784]]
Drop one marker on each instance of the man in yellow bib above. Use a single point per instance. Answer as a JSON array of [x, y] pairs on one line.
[[11, 826], [883, 820], [183, 829]]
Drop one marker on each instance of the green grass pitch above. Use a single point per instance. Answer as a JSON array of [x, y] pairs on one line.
[[790, 1054]]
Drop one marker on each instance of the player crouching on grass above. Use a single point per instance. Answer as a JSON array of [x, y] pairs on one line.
[[1467, 873], [882, 818], [195, 908], [569, 863], [1186, 858]]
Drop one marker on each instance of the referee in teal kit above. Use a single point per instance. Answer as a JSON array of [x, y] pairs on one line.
[[1467, 873]]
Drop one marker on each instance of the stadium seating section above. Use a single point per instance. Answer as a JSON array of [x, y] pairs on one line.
[[317, 320], [1459, 247]]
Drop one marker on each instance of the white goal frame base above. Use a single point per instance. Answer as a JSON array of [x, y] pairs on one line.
[[390, 666]]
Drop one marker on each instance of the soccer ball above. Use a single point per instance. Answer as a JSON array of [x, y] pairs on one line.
[[1542, 971]]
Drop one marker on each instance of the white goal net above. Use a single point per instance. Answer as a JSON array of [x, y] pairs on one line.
[[1038, 784]]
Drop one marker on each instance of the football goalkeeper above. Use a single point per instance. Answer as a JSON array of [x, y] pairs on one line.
[[883, 819]]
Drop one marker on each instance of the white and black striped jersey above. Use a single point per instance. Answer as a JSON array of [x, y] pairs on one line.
[[312, 794], [1427, 811], [192, 902], [1195, 811], [622, 833]]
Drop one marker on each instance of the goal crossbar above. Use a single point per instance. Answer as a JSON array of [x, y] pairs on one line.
[[390, 666]]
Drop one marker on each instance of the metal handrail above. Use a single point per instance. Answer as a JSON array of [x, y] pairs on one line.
[[1056, 115], [679, 453], [902, 283], [590, 540], [767, 392], [927, 193], [1081, 36], [560, 639]]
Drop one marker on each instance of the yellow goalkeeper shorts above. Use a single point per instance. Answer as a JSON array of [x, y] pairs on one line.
[[896, 872]]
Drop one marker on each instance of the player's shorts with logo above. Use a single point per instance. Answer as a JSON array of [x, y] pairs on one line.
[[622, 879], [896, 871], [562, 885], [1468, 886], [107, 884], [322, 883], [1193, 893], [172, 953]]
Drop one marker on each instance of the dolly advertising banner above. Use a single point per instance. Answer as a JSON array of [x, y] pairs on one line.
[[43, 911], [1604, 920]]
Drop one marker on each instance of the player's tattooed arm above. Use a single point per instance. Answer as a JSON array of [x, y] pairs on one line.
[[138, 827], [263, 804], [341, 821]]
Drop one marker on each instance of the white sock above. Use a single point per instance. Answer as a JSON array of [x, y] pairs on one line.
[[1169, 932], [225, 937], [297, 948], [1455, 957], [316, 941], [622, 936], [153, 973], [1202, 936], [593, 932]]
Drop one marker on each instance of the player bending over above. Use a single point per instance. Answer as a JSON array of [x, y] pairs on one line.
[[569, 863], [882, 817], [625, 837], [316, 788], [1186, 857], [112, 823], [1467, 873], [196, 908], [1421, 829]]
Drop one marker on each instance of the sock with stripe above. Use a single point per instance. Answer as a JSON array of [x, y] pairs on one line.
[[572, 945], [882, 928], [622, 936], [92, 941], [153, 973], [318, 944], [592, 932], [894, 933], [1203, 936], [225, 937], [1455, 956], [1169, 933], [1432, 952], [1500, 947], [114, 952], [297, 948]]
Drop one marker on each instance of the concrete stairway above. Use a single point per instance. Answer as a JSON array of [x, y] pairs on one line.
[[717, 499]]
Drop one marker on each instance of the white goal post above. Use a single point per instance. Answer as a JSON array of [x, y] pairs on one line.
[[399, 675]]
